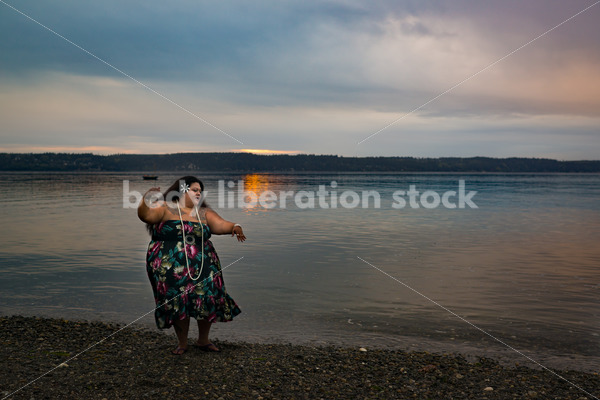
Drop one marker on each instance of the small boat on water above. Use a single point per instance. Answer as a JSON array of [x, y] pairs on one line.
[[150, 177]]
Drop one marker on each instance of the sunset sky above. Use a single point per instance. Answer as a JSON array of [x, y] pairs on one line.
[[298, 76]]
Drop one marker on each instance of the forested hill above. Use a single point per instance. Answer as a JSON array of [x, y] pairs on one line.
[[246, 162]]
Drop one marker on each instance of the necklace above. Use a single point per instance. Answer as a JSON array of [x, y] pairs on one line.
[[187, 261]]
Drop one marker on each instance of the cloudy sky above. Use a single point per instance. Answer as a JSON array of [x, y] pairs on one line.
[[324, 77]]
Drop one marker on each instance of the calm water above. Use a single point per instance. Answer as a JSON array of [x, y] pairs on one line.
[[523, 266]]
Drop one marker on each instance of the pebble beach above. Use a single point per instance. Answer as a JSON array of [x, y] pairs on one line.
[[45, 358]]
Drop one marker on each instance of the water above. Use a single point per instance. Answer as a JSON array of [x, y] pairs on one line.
[[521, 268]]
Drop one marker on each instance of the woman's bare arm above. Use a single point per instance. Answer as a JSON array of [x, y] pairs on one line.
[[219, 226], [149, 211]]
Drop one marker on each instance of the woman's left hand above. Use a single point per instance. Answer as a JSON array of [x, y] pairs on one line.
[[237, 230]]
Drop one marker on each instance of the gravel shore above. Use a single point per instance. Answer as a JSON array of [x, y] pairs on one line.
[[136, 364]]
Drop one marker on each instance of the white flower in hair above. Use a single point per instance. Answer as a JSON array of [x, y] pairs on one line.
[[184, 188]]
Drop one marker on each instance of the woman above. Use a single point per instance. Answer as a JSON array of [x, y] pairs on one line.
[[182, 264]]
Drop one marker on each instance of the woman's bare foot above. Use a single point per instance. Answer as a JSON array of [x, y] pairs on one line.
[[178, 351], [210, 347]]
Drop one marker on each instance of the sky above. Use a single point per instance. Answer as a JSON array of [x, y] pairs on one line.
[[353, 78]]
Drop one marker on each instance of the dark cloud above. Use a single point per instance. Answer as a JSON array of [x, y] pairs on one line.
[[262, 44], [384, 58]]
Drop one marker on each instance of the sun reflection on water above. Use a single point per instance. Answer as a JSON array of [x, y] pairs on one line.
[[258, 184]]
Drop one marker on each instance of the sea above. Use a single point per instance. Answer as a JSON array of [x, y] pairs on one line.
[[495, 265]]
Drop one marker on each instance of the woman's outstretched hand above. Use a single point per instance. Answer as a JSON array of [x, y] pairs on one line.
[[150, 197], [237, 230], [150, 209]]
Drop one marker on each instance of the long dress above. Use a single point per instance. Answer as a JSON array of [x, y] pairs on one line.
[[177, 295]]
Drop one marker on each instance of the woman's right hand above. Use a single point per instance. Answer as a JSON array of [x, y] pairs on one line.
[[151, 209], [151, 197]]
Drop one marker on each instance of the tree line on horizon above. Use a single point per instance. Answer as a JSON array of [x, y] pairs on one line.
[[246, 162]]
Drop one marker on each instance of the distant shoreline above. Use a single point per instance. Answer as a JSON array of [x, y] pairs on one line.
[[76, 359], [299, 163], [243, 172]]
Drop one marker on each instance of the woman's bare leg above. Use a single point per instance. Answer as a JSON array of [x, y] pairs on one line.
[[203, 331], [182, 328]]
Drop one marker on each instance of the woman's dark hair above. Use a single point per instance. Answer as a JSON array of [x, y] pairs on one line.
[[174, 191]]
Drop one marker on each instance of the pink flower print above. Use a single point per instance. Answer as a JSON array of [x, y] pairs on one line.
[[187, 228], [161, 288], [189, 288], [187, 272], [199, 302], [212, 317], [192, 251], [181, 275], [159, 227], [218, 281], [156, 263], [155, 248]]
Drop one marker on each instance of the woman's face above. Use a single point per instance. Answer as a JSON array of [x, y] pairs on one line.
[[194, 194]]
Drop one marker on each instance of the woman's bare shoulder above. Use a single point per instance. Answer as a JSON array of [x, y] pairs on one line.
[[210, 213]]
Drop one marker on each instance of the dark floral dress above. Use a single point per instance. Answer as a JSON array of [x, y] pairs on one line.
[[177, 295]]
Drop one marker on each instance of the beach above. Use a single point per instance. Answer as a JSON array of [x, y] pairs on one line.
[[44, 358]]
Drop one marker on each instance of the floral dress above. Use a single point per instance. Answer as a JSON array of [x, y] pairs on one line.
[[180, 293]]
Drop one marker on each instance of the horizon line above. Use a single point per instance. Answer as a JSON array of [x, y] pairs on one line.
[[294, 153]]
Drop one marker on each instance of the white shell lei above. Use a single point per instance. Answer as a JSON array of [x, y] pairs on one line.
[[187, 261]]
